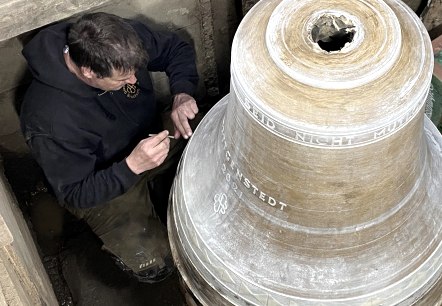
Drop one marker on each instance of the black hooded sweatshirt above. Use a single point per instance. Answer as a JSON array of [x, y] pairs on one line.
[[81, 135]]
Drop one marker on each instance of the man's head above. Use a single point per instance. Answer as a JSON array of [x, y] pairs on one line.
[[106, 49]]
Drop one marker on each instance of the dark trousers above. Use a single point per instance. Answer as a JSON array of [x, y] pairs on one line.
[[129, 226]]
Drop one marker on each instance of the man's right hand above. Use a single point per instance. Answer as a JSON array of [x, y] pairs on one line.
[[149, 153]]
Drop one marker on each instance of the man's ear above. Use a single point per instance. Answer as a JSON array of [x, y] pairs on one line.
[[87, 72]]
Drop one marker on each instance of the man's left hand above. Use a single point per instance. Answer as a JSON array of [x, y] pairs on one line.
[[184, 109]]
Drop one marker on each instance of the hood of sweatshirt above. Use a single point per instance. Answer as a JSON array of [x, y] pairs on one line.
[[44, 54]]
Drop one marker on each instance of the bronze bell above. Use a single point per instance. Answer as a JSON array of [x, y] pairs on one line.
[[318, 179]]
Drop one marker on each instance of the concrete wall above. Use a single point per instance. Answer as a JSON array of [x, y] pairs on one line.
[[196, 21], [12, 80]]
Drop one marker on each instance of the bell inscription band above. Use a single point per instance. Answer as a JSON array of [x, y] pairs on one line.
[[318, 179]]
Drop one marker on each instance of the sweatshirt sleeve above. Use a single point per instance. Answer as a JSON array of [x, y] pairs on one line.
[[70, 171], [169, 53]]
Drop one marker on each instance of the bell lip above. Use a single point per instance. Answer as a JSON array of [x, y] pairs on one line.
[[211, 278]]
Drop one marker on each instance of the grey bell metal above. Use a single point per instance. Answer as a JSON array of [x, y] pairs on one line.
[[318, 179]]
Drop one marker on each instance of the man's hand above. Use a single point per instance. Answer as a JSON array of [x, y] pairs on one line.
[[149, 153], [184, 108]]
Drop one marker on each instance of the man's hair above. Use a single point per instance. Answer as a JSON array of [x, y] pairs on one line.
[[103, 42]]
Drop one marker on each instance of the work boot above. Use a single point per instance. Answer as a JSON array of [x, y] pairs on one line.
[[158, 272], [155, 273]]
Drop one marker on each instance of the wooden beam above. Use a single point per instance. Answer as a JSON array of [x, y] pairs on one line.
[[21, 16], [23, 279], [5, 234]]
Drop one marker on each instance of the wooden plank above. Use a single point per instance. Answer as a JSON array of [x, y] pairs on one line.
[[5, 234], [11, 286], [21, 262], [21, 16]]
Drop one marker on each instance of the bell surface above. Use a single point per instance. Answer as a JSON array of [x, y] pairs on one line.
[[318, 179]]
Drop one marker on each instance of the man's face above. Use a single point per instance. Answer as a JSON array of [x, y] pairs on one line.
[[115, 82]]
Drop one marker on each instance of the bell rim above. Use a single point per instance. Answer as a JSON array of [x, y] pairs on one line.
[[219, 110]]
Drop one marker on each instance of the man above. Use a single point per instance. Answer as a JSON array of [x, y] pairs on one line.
[[86, 118]]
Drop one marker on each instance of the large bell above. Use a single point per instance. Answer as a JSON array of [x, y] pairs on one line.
[[318, 179]]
